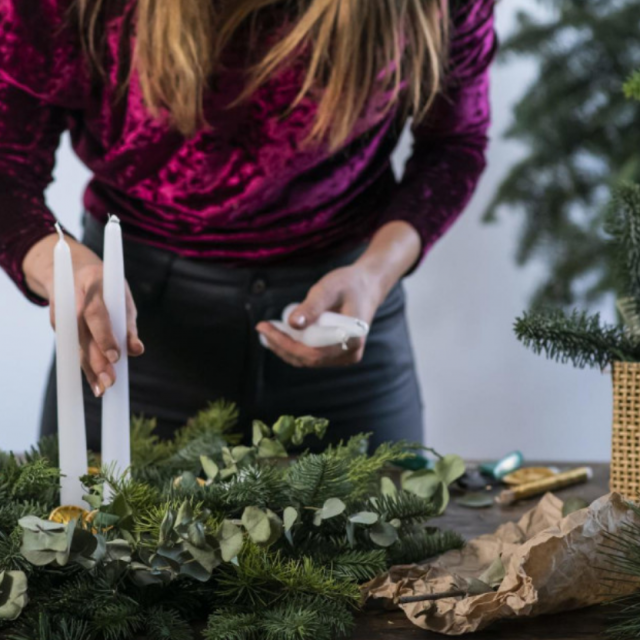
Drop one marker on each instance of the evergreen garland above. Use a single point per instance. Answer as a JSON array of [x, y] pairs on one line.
[[263, 546]]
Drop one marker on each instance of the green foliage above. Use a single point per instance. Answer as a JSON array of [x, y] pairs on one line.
[[45, 626], [227, 624], [632, 86], [581, 135], [318, 477], [577, 338], [292, 539], [423, 545], [623, 224], [166, 624], [620, 555]]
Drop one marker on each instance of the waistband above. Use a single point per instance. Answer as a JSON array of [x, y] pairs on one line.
[[144, 255]]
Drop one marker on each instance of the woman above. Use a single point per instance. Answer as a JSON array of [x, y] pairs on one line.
[[245, 145]]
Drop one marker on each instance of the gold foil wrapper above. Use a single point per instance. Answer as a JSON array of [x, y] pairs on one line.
[[557, 481]]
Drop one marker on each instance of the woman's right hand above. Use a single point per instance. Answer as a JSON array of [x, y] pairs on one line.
[[99, 349]]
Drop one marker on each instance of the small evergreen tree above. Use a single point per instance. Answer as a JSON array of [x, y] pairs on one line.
[[582, 136]]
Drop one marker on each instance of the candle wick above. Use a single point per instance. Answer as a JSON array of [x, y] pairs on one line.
[[59, 230], [114, 218]]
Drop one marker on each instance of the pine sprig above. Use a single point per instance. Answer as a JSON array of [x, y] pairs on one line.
[[227, 624], [167, 624], [577, 338], [423, 545], [317, 477]]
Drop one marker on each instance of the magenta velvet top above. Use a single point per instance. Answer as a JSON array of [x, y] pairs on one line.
[[245, 190]]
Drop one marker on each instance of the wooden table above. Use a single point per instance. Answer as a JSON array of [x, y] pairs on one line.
[[587, 624]]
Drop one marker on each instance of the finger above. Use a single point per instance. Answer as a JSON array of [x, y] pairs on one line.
[[96, 316], [134, 344], [320, 298], [301, 355], [90, 375], [285, 356], [308, 356], [100, 366]]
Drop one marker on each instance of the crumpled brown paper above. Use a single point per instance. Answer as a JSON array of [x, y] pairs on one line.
[[552, 564]]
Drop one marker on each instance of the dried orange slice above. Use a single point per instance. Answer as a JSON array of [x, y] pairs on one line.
[[66, 514]]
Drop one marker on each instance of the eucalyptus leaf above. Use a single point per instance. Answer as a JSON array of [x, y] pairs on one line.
[[290, 517], [185, 514], [196, 534], [240, 452], [494, 574], [257, 525], [477, 587], [423, 483], [118, 551], [476, 500], [33, 523], [449, 468], [332, 508], [383, 534], [388, 486], [364, 517], [166, 527], [351, 534], [260, 430], [573, 504], [13, 594], [209, 467], [206, 556], [95, 496], [230, 539], [269, 448], [284, 429]]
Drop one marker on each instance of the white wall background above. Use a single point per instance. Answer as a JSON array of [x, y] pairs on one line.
[[484, 393]]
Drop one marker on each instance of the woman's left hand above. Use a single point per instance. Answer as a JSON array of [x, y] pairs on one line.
[[357, 291], [352, 291]]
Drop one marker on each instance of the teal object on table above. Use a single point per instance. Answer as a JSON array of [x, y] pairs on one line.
[[414, 463], [498, 470]]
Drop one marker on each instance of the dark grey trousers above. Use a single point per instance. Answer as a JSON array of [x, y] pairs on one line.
[[197, 322]]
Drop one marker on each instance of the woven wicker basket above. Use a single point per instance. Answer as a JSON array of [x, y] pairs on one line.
[[625, 446]]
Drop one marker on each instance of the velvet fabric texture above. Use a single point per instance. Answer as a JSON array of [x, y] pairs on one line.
[[245, 190]]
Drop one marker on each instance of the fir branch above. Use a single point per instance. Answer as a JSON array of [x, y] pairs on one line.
[[261, 486], [423, 545], [227, 624], [292, 623], [166, 624], [119, 620], [577, 338], [317, 477], [358, 565], [44, 626], [404, 506], [219, 418]]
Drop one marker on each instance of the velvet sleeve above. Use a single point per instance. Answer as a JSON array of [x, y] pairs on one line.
[[449, 145], [29, 135], [38, 81]]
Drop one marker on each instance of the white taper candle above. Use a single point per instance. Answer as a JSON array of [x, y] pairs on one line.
[[116, 447], [72, 436]]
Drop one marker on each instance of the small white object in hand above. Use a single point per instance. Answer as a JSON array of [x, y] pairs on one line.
[[329, 330]]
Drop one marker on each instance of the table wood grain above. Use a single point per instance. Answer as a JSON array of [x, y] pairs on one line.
[[587, 624]]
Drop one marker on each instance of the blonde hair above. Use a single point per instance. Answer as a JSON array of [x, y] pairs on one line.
[[357, 48]]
